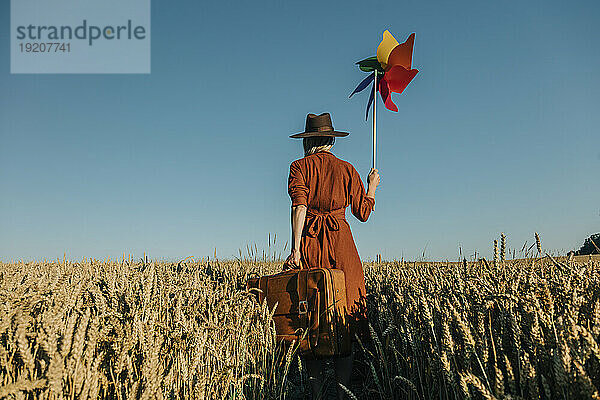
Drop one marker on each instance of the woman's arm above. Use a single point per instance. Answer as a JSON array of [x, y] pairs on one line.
[[373, 180], [298, 192], [362, 203], [298, 217]]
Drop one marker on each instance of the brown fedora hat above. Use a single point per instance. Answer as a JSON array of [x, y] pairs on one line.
[[318, 125]]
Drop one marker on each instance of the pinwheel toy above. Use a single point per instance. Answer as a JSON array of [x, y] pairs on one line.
[[390, 71]]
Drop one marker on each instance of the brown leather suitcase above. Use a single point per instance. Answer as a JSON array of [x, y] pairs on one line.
[[312, 300]]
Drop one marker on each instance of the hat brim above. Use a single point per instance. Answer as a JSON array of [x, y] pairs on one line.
[[326, 133]]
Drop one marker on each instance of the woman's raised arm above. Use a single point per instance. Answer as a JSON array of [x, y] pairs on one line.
[[362, 203]]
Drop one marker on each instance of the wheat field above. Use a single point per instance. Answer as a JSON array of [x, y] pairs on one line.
[[106, 329]]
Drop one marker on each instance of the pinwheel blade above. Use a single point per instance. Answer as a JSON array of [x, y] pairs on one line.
[[399, 77], [388, 43], [402, 54], [370, 64], [361, 86], [371, 98], [386, 95]]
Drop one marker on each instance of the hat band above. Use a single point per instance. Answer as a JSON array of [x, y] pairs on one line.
[[321, 129]]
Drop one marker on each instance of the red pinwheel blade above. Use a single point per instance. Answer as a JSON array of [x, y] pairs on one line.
[[402, 54], [399, 77], [386, 95]]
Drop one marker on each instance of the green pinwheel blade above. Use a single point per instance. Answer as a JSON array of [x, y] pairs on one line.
[[367, 69], [367, 60], [369, 64]]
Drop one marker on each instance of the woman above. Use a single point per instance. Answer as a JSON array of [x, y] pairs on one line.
[[320, 184]]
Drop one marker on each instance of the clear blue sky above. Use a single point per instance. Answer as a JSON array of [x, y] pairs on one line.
[[497, 133]]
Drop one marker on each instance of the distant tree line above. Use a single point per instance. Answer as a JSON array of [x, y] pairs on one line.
[[590, 246]]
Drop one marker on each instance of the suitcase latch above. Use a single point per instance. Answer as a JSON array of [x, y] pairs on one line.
[[303, 307]]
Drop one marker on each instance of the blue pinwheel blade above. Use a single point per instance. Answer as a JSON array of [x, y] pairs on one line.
[[361, 86], [371, 98]]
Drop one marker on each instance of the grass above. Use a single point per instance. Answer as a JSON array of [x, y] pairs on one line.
[[139, 330]]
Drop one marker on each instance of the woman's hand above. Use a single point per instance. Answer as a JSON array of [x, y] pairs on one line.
[[293, 260], [373, 180]]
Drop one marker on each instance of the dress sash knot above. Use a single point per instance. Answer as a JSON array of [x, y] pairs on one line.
[[319, 225]]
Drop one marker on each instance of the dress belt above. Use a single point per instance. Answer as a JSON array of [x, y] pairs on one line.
[[319, 224]]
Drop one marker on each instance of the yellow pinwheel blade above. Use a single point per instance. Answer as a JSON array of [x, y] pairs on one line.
[[385, 48]]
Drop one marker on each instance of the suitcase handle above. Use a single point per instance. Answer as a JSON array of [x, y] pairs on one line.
[[287, 267]]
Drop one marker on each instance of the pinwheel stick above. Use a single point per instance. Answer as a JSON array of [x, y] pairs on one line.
[[374, 120], [374, 117]]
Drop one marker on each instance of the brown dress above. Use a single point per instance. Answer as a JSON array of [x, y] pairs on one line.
[[327, 185]]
